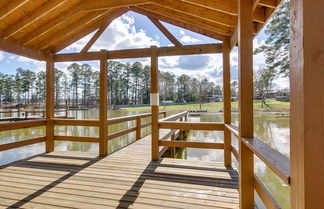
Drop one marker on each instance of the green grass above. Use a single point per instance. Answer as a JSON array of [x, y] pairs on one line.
[[216, 106]]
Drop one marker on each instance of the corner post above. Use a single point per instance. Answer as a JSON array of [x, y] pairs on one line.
[[245, 43], [307, 104], [227, 103], [103, 104], [155, 103], [50, 76]]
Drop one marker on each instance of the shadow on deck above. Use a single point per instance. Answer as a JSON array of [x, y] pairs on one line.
[[124, 179]]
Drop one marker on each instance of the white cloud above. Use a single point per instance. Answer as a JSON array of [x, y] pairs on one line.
[[31, 64], [121, 34], [1, 56], [188, 39]]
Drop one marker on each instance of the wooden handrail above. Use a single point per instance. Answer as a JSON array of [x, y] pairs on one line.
[[175, 117], [22, 124], [116, 120], [72, 122], [275, 160], [76, 138], [120, 133], [205, 145], [211, 126], [265, 195], [232, 128], [235, 153], [22, 143]]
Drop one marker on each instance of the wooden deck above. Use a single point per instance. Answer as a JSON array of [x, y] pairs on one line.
[[124, 179]]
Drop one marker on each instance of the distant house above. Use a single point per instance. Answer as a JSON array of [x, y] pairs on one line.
[[281, 95]]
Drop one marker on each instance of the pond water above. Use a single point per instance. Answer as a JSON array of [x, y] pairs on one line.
[[268, 127]]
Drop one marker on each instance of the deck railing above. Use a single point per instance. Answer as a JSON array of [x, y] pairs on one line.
[[276, 161], [71, 122]]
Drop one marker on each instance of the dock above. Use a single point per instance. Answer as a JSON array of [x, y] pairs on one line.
[[124, 179]]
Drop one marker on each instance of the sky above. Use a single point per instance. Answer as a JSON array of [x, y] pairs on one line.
[[133, 30]]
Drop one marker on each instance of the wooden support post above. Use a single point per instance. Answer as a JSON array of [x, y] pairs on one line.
[[245, 40], [181, 131], [50, 76], [103, 133], [307, 104], [227, 102], [155, 103], [138, 128]]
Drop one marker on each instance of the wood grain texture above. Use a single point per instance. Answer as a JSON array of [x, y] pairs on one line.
[[307, 104], [125, 179], [103, 104], [245, 42], [50, 82]]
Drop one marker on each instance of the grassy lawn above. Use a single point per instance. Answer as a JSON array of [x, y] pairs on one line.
[[216, 106]]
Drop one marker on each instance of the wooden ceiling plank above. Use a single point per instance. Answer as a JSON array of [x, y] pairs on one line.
[[58, 20], [188, 19], [12, 47], [85, 31], [176, 22], [10, 7], [31, 18], [70, 28], [104, 4], [165, 31], [228, 6], [199, 11]]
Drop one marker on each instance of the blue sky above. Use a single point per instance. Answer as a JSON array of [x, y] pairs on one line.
[[133, 30]]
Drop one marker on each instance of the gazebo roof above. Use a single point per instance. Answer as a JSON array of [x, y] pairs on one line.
[[41, 26]]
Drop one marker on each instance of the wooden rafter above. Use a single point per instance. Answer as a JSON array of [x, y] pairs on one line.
[[31, 18], [212, 26], [60, 19], [72, 27], [268, 3], [94, 38], [165, 31], [100, 31], [73, 37], [189, 26], [11, 47], [198, 11]]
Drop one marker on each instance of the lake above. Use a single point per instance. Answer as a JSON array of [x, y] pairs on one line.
[[268, 127]]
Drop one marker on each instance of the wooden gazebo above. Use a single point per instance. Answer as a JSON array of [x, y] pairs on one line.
[[40, 29]]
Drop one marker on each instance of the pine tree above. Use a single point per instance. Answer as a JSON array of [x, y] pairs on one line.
[[276, 47]]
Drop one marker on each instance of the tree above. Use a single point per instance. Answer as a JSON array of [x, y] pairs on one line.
[[58, 87], [75, 73], [86, 72], [234, 88], [276, 47], [263, 83], [40, 86], [183, 88]]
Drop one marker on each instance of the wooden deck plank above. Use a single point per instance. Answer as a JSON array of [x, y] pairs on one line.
[[124, 179]]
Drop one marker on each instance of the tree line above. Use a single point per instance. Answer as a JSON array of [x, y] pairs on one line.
[[128, 84]]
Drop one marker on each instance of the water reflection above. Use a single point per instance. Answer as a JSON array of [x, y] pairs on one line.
[[269, 128]]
